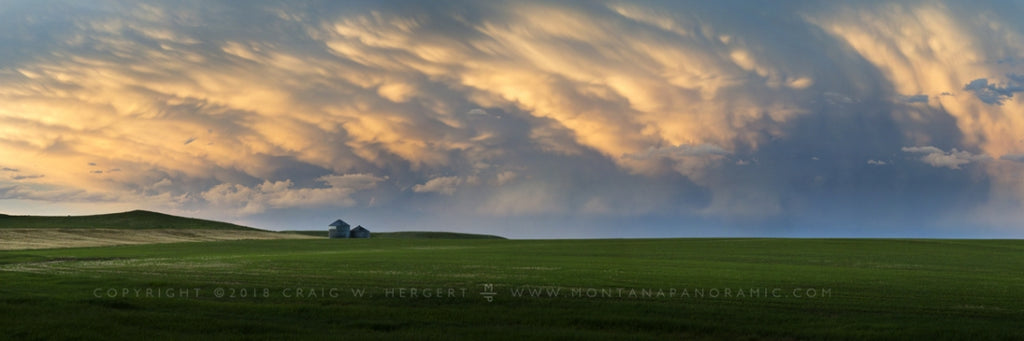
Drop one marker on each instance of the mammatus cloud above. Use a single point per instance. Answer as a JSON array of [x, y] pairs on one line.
[[950, 51], [616, 97], [937, 49], [939, 158], [137, 80]]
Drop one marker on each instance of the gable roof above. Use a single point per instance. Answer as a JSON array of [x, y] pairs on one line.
[[360, 227], [339, 223]]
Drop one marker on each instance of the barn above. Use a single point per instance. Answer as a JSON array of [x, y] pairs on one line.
[[359, 232], [339, 229]]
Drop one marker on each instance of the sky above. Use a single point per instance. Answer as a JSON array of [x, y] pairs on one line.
[[527, 119]]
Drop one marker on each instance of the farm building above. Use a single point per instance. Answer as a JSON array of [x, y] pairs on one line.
[[359, 232], [340, 229]]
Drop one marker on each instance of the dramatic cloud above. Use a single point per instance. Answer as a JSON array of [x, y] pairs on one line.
[[936, 48], [703, 118]]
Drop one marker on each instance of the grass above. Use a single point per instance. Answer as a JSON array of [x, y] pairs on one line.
[[407, 235], [863, 289], [432, 235], [137, 219]]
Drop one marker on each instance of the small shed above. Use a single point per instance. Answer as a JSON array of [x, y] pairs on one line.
[[359, 232], [339, 229]]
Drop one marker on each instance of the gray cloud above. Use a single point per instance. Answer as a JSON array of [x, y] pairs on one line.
[[837, 98], [444, 185], [993, 93], [1013, 157], [337, 190], [680, 151], [914, 98], [53, 195], [939, 158]]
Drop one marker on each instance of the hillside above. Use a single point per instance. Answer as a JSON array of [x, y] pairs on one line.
[[132, 220], [127, 228], [407, 235]]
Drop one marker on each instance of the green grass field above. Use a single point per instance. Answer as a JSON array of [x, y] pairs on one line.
[[407, 235], [543, 289]]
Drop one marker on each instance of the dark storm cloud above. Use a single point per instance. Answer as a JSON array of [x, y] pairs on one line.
[[995, 94], [1013, 157], [915, 99]]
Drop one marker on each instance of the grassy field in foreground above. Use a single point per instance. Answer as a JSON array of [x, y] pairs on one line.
[[575, 289]]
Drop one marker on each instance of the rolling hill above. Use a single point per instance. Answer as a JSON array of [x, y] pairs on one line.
[[146, 227], [127, 228], [131, 220]]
